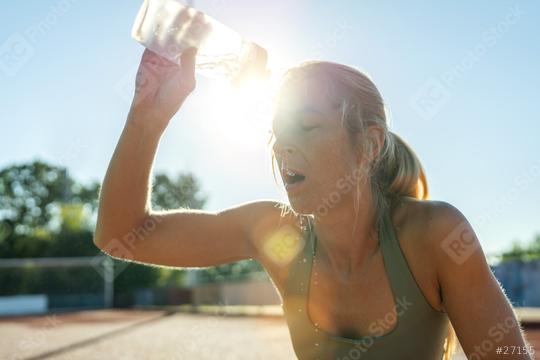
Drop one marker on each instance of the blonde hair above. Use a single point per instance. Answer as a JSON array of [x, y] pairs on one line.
[[393, 169]]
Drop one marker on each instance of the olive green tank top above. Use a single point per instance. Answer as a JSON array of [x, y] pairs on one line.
[[420, 330]]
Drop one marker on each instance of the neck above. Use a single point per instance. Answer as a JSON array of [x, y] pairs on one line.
[[346, 250]]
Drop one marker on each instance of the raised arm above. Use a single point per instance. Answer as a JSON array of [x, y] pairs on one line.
[[127, 227]]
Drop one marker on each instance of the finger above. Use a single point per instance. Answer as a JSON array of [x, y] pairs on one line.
[[199, 28], [181, 19], [188, 59], [179, 23]]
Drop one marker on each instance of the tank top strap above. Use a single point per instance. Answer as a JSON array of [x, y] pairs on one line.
[[299, 271], [401, 279]]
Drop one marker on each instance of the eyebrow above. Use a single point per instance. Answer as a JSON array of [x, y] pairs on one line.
[[306, 110], [310, 109]]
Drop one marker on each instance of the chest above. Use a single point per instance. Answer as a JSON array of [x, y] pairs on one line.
[[365, 307]]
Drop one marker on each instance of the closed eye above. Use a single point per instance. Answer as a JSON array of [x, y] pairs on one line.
[[303, 121], [309, 123], [308, 128]]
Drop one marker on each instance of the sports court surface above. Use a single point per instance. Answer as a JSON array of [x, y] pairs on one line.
[[154, 334]]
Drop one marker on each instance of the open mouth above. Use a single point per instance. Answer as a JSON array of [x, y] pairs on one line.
[[293, 177]]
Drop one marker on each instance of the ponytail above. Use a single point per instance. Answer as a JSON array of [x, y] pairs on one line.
[[400, 171]]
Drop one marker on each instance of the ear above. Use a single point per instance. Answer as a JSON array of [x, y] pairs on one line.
[[374, 140], [376, 136]]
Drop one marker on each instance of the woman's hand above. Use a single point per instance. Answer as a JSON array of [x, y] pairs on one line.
[[161, 87]]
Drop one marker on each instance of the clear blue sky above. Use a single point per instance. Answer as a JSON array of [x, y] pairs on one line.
[[460, 80]]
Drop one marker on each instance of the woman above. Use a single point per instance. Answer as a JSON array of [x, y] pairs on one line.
[[366, 266]]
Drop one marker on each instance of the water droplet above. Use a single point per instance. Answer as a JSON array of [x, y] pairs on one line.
[[304, 260], [316, 330], [316, 344], [317, 324], [299, 310]]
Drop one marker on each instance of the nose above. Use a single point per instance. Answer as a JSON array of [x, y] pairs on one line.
[[283, 150]]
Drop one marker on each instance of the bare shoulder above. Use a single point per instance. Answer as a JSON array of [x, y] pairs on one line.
[[427, 230], [430, 220], [266, 216], [275, 232], [437, 226], [451, 238]]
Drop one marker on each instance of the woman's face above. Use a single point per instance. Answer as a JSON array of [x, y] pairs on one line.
[[310, 139]]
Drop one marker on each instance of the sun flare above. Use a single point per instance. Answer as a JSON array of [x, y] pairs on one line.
[[244, 112]]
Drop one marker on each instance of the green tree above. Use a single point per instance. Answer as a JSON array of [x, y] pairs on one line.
[[524, 253], [181, 192], [44, 212], [32, 198], [234, 271]]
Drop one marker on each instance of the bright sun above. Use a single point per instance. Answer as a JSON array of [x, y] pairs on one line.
[[244, 112]]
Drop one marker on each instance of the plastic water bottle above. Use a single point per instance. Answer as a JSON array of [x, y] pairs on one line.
[[168, 27]]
